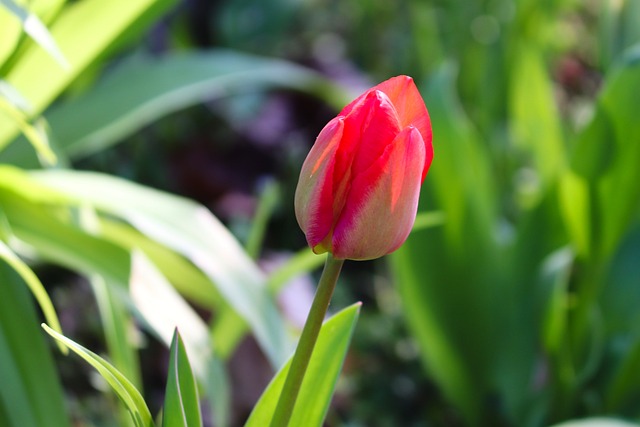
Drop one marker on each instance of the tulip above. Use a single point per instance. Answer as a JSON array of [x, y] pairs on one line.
[[357, 195]]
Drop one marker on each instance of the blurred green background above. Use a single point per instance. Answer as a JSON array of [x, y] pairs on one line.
[[514, 301]]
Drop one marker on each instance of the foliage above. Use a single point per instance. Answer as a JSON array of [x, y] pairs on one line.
[[520, 291]]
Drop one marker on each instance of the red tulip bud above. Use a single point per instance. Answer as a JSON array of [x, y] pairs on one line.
[[357, 196]]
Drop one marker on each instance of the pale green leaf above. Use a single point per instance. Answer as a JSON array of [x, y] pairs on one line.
[[31, 394], [181, 406], [144, 89], [535, 117], [32, 25], [34, 132], [83, 31], [34, 284], [163, 309], [191, 230], [183, 275], [597, 422], [10, 32], [320, 379], [117, 324], [127, 393]]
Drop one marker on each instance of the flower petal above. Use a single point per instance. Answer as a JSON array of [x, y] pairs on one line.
[[371, 132], [314, 197], [382, 202], [406, 99]]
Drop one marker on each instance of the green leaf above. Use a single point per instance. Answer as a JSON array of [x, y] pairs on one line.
[[607, 154], [83, 31], [183, 275], [31, 394], [35, 133], [320, 379], [34, 284], [460, 178], [447, 276], [127, 393], [267, 202], [10, 32], [535, 117], [593, 154], [555, 277], [428, 219], [117, 323], [181, 406], [163, 309], [32, 25], [191, 230], [597, 422], [302, 262], [55, 240], [144, 89], [45, 230], [575, 208], [618, 99]]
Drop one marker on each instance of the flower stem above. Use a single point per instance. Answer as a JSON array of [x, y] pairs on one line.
[[308, 339]]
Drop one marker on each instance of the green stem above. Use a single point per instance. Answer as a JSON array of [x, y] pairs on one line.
[[307, 341]]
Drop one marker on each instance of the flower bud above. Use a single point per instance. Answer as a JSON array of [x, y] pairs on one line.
[[357, 195]]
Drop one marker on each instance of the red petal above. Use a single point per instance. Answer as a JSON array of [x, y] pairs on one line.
[[408, 102], [314, 196], [372, 131], [382, 202]]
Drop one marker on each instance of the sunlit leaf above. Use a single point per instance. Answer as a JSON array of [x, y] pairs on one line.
[[181, 406], [191, 230], [144, 89], [127, 393], [320, 378], [36, 30], [161, 306], [34, 132], [34, 284], [83, 31], [31, 394]]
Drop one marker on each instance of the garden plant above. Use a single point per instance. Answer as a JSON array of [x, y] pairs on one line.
[[174, 175]]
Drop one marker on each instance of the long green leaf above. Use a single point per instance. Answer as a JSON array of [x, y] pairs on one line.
[[30, 391], [320, 379], [144, 89], [182, 274], [534, 114], [191, 230], [597, 422], [34, 284], [446, 275], [10, 32], [34, 133], [83, 31], [32, 25], [116, 324], [45, 230], [605, 163], [181, 406], [163, 309], [127, 393]]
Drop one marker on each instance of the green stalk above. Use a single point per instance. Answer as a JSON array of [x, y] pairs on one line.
[[308, 339]]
